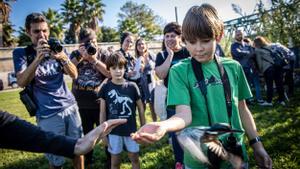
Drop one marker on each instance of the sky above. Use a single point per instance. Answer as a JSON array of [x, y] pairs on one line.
[[163, 8]]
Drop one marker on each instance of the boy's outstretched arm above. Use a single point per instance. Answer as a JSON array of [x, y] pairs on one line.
[[154, 131], [262, 158], [141, 110]]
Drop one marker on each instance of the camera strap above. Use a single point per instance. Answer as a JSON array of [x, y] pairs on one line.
[[197, 68], [29, 54]]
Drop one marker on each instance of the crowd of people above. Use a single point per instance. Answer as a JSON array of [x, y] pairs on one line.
[[204, 87]]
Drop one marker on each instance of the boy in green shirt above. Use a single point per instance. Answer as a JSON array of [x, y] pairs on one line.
[[202, 29]]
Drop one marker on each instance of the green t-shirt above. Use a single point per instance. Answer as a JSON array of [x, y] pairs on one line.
[[182, 90]]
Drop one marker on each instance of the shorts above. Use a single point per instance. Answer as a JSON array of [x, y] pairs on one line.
[[67, 123], [116, 144]]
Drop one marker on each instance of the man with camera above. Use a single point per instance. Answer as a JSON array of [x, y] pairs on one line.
[[90, 62], [41, 66]]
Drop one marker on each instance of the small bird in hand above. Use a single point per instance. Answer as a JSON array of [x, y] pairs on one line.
[[194, 139]]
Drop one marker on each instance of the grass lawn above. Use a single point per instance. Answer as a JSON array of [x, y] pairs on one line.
[[279, 127]]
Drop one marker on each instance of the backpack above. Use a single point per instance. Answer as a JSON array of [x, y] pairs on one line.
[[280, 60]]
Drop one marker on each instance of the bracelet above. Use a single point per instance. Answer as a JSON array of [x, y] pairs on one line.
[[65, 62], [255, 140]]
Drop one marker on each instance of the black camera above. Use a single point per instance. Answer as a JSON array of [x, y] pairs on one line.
[[233, 146], [55, 45], [90, 48]]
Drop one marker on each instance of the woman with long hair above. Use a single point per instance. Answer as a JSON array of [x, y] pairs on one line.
[[147, 80]]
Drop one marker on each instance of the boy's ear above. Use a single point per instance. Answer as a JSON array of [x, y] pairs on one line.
[[218, 39]]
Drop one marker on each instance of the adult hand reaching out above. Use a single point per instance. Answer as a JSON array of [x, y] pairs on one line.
[[87, 143]]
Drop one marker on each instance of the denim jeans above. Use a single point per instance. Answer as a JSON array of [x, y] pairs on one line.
[[253, 81]]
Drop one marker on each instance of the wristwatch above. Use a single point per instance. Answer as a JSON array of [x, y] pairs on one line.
[[255, 140]]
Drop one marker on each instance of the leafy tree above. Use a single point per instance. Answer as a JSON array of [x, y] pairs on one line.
[[55, 23], [282, 22], [109, 34], [129, 24], [23, 39], [140, 19]]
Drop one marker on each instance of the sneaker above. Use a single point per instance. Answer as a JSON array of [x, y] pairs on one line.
[[265, 104], [178, 165], [286, 97], [282, 103], [260, 101]]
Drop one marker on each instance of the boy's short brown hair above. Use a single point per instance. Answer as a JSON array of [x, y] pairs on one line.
[[202, 22], [115, 59]]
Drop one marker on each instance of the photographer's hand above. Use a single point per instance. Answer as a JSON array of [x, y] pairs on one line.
[[68, 66], [263, 160], [61, 56], [42, 49], [85, 56]]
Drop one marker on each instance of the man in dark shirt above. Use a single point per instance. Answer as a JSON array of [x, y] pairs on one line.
[[244, 54], [19, 134]]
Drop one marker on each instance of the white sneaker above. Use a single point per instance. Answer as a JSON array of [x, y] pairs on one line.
[[265, 104], [282, 103], [260, 101]]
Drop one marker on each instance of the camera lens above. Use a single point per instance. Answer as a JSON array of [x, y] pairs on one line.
[[91, 50], [55, 45]]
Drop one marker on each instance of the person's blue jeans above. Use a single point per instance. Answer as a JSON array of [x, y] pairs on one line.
[[253, 81], [256, 83], [177, 150]]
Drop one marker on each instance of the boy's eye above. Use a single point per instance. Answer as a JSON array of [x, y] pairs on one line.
[[205, 40], [192, 42]]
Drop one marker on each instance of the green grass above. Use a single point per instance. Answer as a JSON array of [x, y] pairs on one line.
[[278, 126]]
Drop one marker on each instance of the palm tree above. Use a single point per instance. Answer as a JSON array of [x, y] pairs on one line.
[[8, 39], [23, 39], [81, 13], [55, 22], [93, 11], [5, 10], [73, 14]]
